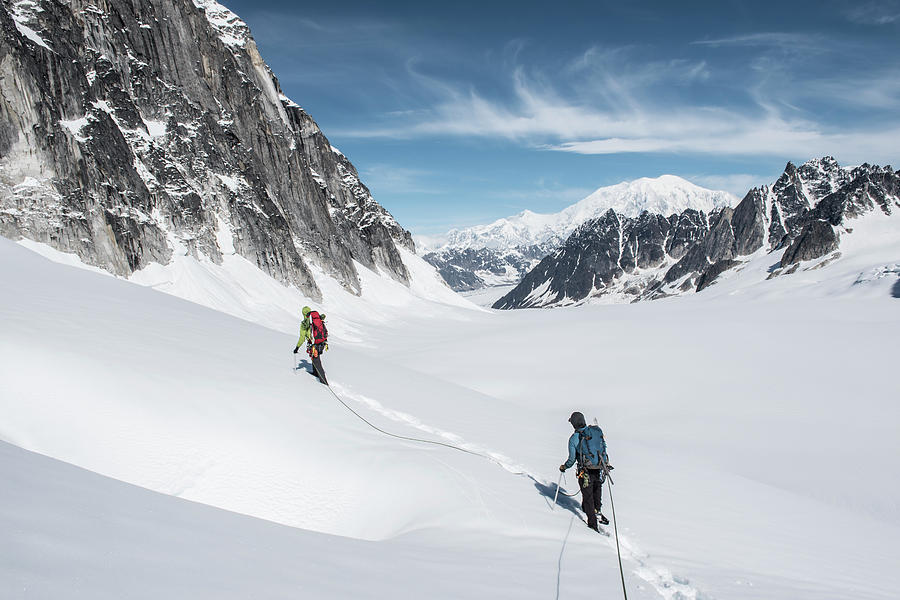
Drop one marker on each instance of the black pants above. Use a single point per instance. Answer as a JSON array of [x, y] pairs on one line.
[[591, 484], [318, 371]]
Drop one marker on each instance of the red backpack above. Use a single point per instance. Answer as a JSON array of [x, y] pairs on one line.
[[319, 331]]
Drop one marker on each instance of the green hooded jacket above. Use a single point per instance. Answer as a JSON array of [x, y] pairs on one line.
[[306, 334]]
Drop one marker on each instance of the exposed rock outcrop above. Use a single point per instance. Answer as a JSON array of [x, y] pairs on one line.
[[132, 130], [604, 250], [801, 213], [467, 269], [708, 277], [817, 238]]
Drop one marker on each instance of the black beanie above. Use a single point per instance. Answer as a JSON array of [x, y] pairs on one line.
[[577, 420]]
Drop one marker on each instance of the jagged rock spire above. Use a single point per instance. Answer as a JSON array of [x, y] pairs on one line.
[[130, 131]]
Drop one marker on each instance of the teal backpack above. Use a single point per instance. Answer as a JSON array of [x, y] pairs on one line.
[[591, 447]]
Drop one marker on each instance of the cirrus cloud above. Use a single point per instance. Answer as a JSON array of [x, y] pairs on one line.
[[607, 102]]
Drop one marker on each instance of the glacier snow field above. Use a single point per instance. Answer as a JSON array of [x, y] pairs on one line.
[[159, 447]]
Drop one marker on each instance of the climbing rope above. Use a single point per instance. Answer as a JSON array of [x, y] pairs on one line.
[[572, 495], [494, 460], [612, 505], [421, 440], [561, 552]]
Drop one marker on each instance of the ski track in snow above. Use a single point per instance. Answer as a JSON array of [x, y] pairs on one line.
[[666, 583]]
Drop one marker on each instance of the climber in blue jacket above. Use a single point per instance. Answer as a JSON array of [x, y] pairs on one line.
[[588, 448]]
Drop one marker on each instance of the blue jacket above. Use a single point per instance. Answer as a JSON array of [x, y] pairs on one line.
[[587, 442]]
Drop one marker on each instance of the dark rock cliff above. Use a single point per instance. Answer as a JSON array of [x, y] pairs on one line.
[[132, 129], [800, 213], [603, 250], [466, 269]]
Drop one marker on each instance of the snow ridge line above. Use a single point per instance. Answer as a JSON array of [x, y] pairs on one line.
[[667, 584]]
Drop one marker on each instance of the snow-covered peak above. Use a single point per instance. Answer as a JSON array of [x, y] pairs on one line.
[[817, 177], [666, 195], [526, 228], [231, 29]]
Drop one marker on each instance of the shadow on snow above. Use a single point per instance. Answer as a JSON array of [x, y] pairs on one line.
[[566, 502]]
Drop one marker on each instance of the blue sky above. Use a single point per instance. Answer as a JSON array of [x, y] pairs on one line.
[[460, 113]]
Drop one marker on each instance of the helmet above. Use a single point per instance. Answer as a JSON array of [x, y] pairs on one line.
[[577, 420], [306, 311]]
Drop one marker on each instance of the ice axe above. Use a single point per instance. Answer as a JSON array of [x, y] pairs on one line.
[[556, 495]]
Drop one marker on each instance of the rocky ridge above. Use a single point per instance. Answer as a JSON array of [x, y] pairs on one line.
[[133, 130], [616, 258], [471, 269], [610, 250], [502, 252]]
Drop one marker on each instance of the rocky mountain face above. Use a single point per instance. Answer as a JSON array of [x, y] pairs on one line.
[[134, 129], [502, 252], [604, 252], [804, 213], [468, 269]]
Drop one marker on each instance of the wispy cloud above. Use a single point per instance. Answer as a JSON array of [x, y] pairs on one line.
[[389, 179], [779, 138], [623, 68], [772, 39], [541, 196], [293, 31], [750, 94], [604, 101], [879, 88], [736, 183], [875, 13], [536, 107], [640, 128]]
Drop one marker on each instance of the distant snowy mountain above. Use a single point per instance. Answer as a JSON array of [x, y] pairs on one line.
[[619, 258], [134, 133], [503, 251], [665, 195]]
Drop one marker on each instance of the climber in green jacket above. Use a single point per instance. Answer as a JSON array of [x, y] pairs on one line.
[[315, 334]]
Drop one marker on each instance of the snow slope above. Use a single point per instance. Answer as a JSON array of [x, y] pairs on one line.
[[665, 195], [239, 288], [75, 534], [752, 427]]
